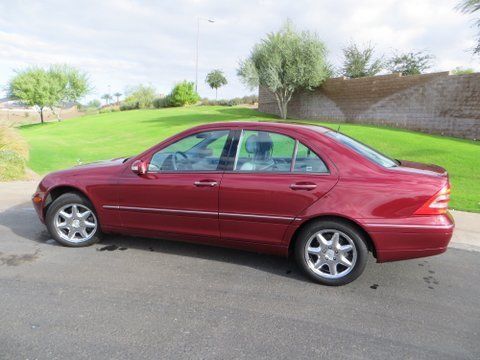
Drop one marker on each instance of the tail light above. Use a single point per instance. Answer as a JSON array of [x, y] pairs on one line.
[[437, 204]]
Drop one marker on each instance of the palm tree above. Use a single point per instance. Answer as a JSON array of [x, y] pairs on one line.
[[216, 79], [107, 98], [117, 95], [470, 7]]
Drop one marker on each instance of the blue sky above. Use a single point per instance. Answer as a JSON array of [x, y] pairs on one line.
[[121, 43]]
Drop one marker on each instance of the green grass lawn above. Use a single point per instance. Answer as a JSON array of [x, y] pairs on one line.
[[60, 145]]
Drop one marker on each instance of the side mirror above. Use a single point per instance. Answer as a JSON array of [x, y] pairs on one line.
[[139, 167]]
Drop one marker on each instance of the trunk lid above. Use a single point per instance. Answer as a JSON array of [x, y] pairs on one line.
[[421, 168]]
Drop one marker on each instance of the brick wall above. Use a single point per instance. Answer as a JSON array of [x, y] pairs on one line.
[[436, 103]]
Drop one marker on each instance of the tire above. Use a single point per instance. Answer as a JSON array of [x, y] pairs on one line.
[[320, 257], [84, 226]]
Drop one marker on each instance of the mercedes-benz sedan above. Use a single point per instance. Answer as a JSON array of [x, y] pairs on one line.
[[277, 188]]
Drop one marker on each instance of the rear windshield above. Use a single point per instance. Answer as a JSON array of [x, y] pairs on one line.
[[363, 150]]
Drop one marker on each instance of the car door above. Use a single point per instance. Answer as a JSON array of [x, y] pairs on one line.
[[179, 193], [273, 178]]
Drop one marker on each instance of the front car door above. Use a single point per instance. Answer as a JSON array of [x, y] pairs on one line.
[[178, 196], [271, 180]]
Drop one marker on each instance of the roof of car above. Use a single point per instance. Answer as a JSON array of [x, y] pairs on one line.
[[271, 124]]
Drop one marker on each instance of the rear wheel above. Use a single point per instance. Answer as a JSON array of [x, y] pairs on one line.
[[72, 221], [331, 252]]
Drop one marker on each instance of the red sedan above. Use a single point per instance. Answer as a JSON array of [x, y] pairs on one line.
[[267, 187]]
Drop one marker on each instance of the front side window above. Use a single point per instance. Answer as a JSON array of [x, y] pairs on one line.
[[263, 151], [199, 152], [363, 149]]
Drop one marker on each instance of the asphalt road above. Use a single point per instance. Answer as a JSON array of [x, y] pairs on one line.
[[131, 298]]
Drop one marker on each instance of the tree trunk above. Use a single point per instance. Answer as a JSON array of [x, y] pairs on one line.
[[282, 105], [216, 93], [41, 115]]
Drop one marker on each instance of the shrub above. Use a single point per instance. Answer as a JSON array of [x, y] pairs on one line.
[[108, 110], [129, 106], [139, 97], [183, 94], [462, 71], [245, 100], [12, 165], [161, 102], [13, 154]]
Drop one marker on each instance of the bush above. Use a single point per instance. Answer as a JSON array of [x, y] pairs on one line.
[[12, 165], [129, 106], [140, 97], [159, 103], [462, 71], [245, 100], [109, 110], [183, 94], [13, 154]]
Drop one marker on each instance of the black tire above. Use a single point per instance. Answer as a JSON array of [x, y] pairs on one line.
[[351, 232], [65, 200]]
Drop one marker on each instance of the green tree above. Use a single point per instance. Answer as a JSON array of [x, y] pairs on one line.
[[470, 7], [183, 94], [117, 95], [107, 98], [48, 88], [412, 63], [140, 97], [360, 62], [285, 62], [216, 79], [95, 103]]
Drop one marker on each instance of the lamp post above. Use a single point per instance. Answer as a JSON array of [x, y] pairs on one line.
[[196, 53]]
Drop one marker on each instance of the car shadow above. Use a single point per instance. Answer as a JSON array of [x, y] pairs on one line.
[[22, 221]]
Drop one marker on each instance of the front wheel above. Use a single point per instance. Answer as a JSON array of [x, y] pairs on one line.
[[331, 252], [72, 221]]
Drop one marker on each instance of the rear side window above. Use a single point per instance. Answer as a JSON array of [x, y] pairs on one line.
[[362, 149], [264, 151], [306, 161]]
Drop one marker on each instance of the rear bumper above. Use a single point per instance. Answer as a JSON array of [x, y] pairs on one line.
[[414, 237]]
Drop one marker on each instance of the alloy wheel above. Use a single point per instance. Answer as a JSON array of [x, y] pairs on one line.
[[330, 253]]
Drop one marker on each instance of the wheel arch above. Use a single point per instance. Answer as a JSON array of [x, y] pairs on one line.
[[370, 244], [57, 191]]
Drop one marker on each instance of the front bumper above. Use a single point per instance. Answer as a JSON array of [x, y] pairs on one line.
[[410, 238], [38, 200]]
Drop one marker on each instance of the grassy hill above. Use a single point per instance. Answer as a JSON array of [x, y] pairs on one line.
[[60, 145]]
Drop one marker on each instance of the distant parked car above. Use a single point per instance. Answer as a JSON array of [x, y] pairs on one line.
[[267, 187]]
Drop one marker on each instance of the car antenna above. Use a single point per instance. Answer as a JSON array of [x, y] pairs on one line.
[[338, 129]]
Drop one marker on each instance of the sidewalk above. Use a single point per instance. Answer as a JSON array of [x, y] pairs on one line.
[[466, 235]]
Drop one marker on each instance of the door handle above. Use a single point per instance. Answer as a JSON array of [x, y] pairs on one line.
[[209, 183], [303, 186]]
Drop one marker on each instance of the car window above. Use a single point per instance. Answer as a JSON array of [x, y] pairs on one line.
[[363, 149], [263, 151], [199, 152], [306, 161]]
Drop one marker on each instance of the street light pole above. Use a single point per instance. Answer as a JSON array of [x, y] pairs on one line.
[[196, 52]]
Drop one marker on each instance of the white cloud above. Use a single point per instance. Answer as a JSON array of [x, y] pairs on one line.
[[125, 42]]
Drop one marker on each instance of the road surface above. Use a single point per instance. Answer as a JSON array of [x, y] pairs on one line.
[[137, 298]]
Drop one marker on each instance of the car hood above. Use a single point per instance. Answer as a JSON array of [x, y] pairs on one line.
[[101, 163], [97, 167]]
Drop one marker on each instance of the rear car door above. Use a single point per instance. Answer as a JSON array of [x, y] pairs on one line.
[[179, 193], [271, 180]]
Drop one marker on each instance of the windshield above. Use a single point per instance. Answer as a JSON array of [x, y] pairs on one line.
[[363, 150]]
